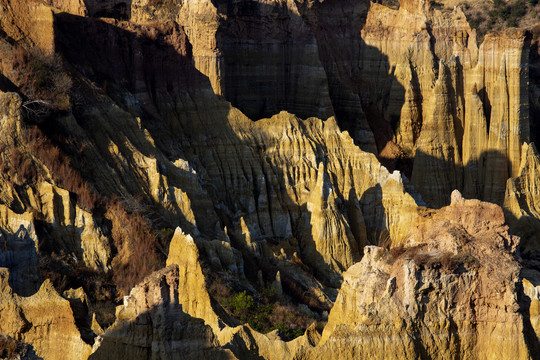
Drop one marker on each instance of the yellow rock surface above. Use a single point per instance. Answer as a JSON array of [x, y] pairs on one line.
[[522, 200], [151, 324], [414, 305], [44, 320], [192, 293]]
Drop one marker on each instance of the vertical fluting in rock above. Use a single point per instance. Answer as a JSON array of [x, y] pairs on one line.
[[522, 201], [437, 166], [435, 305], [330, 232], [410, 118], [498, 168], [192, 294], [152, 324], [260, 55], [475, 143], [504, 74]]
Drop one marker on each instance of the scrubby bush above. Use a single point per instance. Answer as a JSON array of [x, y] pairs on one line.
[[42, 79], [396, 251], [241, 304], [446, 261], [262, 311], [136, 244], [59, 166]]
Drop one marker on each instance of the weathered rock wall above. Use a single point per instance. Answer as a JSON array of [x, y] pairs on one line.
[[263, 171], [152, 324], [44, 320], [456, 293], [149, 125], [375, 68]]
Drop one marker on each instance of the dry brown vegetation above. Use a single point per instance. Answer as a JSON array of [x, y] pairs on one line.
[[136, 244], [16, 167], [131, 232], [33, 157], [446, 261], [487, 15], [396, 251], [536, 31], [59, 166], [42, 79]]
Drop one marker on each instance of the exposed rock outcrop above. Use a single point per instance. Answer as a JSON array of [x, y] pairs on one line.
[[159, 133], [437, 166], [44, 320], [456, 292], [192, 293], [152, 324], [522, 201]]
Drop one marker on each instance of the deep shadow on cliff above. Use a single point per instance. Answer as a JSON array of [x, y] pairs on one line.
[[164, 331], [483, 178], [265, 50], [160, 74], [534, 91], [155, 66]]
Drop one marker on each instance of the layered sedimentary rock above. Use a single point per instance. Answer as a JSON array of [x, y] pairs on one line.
[[70, 228], [437, 166], [246, 43], [151, 324], [171, 315], [44, 320], [475, 137], [522, 201], [192, 293], [531, 288], [289, 201], [455, 289], [374, 68], [208, 169], [263, 171], [456, 293]]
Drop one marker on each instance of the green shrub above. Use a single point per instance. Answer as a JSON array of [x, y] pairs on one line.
[[262, 311], [241, 304]]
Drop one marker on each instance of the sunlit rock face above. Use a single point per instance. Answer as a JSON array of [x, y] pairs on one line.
[[455, 289], [44, 320], [152, 324], [418, 304], [269, 145], [376, 69]]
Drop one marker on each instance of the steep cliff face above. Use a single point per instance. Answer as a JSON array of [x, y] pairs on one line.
[[151, 324], [136, 135], [521, 201], [454, 290], [198, 116], [375, 69], [437, 148], [260, 55], [271, 165], [455, 293]]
